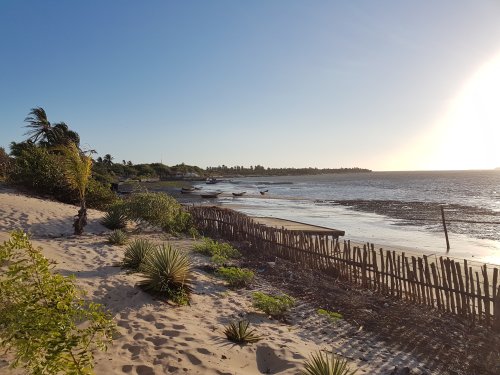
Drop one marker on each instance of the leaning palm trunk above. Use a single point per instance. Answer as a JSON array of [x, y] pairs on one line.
[[80, 219]]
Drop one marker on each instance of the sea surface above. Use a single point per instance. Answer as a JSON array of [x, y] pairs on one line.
[[389, 209]]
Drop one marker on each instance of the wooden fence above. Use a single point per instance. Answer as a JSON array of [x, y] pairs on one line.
[[457, 287]]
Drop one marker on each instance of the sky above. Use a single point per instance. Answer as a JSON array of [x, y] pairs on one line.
[[384, 85]]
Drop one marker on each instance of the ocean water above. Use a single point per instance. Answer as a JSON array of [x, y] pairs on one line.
[[389, 209]]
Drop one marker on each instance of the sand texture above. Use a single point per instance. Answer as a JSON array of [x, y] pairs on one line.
[[159, 338]]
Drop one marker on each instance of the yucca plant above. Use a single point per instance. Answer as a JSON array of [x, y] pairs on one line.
[[114, 219], [167, 272], [136, 252], [239, 332], [118, 237], [321, 364]]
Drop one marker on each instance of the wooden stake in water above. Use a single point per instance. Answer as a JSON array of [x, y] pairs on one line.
[[445, 230]]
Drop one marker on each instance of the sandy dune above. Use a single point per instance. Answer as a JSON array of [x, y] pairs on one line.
[[159, 338]]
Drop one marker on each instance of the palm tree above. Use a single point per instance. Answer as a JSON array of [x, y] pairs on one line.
[[61, 135], [108, 159], [77, 170], [38, 124], [40, 129]]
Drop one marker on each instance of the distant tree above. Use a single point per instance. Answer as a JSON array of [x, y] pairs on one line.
[[62, 135], [17, 148], [41, 130], [4, 163], [38, 125], [108, 159], [99, 160]]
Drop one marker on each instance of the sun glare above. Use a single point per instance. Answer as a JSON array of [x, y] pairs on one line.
[[468, 135]]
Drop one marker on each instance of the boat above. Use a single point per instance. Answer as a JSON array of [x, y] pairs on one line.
[[185, 190], [211, 195], [239, 194], [211, 180], [262, 192]]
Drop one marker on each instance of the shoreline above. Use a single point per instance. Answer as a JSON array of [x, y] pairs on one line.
[[158, 338]]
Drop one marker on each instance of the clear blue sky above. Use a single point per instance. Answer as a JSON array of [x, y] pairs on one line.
[[372, 84]]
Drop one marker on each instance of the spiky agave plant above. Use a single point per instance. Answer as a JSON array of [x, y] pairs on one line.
[[118, 237], [321, 364], [239, 332], [114, 219], [167, 272], [136, 252]]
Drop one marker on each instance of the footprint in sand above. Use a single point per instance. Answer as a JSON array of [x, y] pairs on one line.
[[204, 351], [124, 324], [144, 370], [139, 336], [127, 368], [157, 341], [134, 349], [193, 359], [170, 333]]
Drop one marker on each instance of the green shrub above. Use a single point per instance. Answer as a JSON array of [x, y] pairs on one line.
[[239, 332], [220, 252], [236, 277], [136, 252], [276, 306], [115, 217], [38, 170], [99, 195], [44, 320], [167, 272], [331, 315], [118, 237], [158, 209], [322, 364]]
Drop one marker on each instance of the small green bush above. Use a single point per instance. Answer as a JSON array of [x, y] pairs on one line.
[[220, 252], [236, 277], [118, 237], [158, 209], [136, 252], [99, 195], [322, 364], [44, 321], [275, 306], [331, 315], [115, 218], [239, 332], [167, 272]]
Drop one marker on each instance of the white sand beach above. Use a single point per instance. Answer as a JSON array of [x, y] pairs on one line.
[[158, 338]]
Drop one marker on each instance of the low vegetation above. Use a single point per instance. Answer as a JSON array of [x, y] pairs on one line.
[[167, 272], [275, 306], [332, 316], [220, 252], [236, 277], [114, 218], [118, 237], [41, 314], [321, 364], [136, 252], [239, 332], [157, 209]]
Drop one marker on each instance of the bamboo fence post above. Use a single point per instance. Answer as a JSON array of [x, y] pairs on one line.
[[496, 309], [486, 285]]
